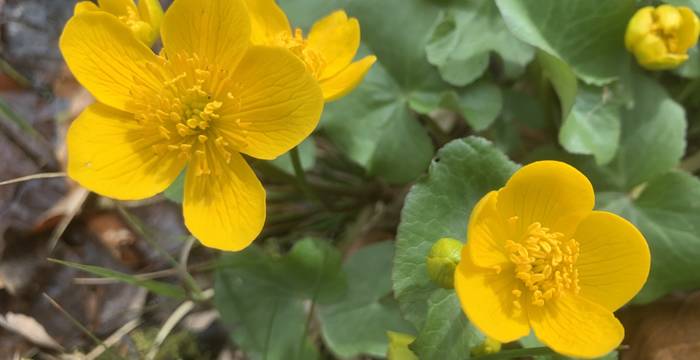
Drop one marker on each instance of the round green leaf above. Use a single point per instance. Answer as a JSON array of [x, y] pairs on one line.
[[438, 206], [588, 35]]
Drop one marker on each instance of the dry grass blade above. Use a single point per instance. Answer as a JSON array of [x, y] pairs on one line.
[[33, 177]]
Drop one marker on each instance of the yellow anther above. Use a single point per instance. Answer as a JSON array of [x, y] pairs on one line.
[[202, 138], [544, 262], [192, 123]]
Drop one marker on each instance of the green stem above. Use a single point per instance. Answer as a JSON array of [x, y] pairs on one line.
[[688, 90], [515, 353], [301, 176]]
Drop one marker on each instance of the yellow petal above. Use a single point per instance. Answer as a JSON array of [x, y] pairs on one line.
[[487, 299], [486, 234], [640, 25], [347, 79], [112, 155], [552, 193], [689, 30], [218, 30], [281, 103], [337, 38], [117, 7], [84, 6], [668, 18], [574, 326], [225, 211], [151, 12], [106, 58], [614, 259], [267, 21], [652, 54]]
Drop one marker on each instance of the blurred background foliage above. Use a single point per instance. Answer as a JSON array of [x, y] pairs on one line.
[[462, 94]]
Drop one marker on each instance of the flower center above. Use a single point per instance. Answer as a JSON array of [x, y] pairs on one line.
[[186, 114], [544, 262], [314, 61]]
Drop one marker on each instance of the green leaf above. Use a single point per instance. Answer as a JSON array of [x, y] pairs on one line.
[[693, 4], [307, 154], [691, 68], [653, 135], [466, 34], [438, 206], [262, 297], [447, 333], [585, 34], [176, 191], [563, 80], [358, 324], [375, 125], [593, 125], [153, 286], [480, 103], [668, 214]]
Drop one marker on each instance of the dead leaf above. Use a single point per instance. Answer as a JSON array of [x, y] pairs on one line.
[[29, 328], [664, 330]]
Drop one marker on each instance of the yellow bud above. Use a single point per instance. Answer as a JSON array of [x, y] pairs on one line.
[[660, 37], [442, 261], [144, 21], [398, 346], [488, 346]]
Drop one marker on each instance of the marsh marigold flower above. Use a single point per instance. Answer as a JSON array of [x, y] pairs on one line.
[[538, 257], [208, 98], [660, 37], [328, 51], [143, 21]]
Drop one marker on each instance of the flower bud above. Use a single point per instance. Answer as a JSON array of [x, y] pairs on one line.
[[143, 21], [660, 37], [488, 346], [442, 261]]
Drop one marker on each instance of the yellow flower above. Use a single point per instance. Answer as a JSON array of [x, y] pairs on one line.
[[539, 257], [144, 21], [328, 51], [208, 98], [660, 37]]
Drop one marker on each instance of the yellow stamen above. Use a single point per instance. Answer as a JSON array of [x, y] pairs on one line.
[[544, 262]]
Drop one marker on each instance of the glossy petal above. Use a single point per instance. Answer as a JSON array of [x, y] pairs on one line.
[[281, 103], [117, 7], [225, 211], [347, 79], [267, 21], [84, 6], [549, 192], [112, 155], [614, 260], [486, 234], [574, 326], [337, 38], [106, 58], [640, 25], [652, 54], [151, 12], [218, 30], [689, 30], [486, 299]]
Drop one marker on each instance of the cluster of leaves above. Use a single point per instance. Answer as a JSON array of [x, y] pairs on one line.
[[540, 80]]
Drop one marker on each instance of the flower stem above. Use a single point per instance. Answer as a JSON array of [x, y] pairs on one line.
[[516, 353], [301, 176]]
